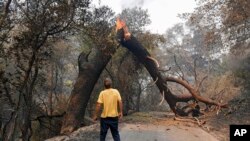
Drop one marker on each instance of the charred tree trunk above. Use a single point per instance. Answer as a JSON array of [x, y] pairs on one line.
[[89, 72], [143, 56]]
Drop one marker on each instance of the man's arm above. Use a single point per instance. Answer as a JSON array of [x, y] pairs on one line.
[[97, 109], [120, 109]]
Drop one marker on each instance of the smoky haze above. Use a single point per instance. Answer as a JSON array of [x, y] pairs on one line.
[[132, 3]]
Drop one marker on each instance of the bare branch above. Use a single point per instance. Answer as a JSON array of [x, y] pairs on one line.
[[154, 60], [195, 73], [182, 74], [192, 120], [163, 98], [194, 93], [150, 85], [205, 77], [7, 9], [162, 70]]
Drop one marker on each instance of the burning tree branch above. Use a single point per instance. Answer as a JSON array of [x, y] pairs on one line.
[[128, 41]]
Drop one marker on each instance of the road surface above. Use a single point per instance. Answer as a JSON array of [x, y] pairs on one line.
[[142, 132]]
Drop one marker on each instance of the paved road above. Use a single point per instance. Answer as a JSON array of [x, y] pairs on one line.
[[144, 132], [141, 132]]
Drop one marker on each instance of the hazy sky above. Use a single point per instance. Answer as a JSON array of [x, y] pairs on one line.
[[163, 13]]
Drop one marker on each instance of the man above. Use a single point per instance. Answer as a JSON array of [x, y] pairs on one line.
[[110, 99]]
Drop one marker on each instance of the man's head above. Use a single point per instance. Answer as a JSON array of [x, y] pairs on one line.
[[107, 83]]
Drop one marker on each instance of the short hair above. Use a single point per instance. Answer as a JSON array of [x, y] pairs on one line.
[[107, 82]]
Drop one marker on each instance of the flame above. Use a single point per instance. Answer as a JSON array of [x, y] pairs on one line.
[[120, 24]]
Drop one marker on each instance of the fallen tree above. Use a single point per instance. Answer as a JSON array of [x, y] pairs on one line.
[[131, 43]]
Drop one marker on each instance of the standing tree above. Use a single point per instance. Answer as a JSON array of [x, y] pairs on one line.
[[91, 63], [36, 24]]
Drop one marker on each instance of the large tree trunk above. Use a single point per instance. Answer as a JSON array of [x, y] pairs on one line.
[[90, 69], [143, 56]]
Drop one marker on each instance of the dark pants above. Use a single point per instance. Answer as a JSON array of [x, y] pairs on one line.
[[112, 123]]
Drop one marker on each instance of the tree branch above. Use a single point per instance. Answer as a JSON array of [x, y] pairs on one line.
[[182, 74], [194, 93]]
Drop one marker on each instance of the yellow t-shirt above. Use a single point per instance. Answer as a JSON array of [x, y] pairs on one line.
[[109, 98]]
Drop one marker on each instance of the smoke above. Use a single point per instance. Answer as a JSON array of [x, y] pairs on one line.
[[140, 2], [133, 3]]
